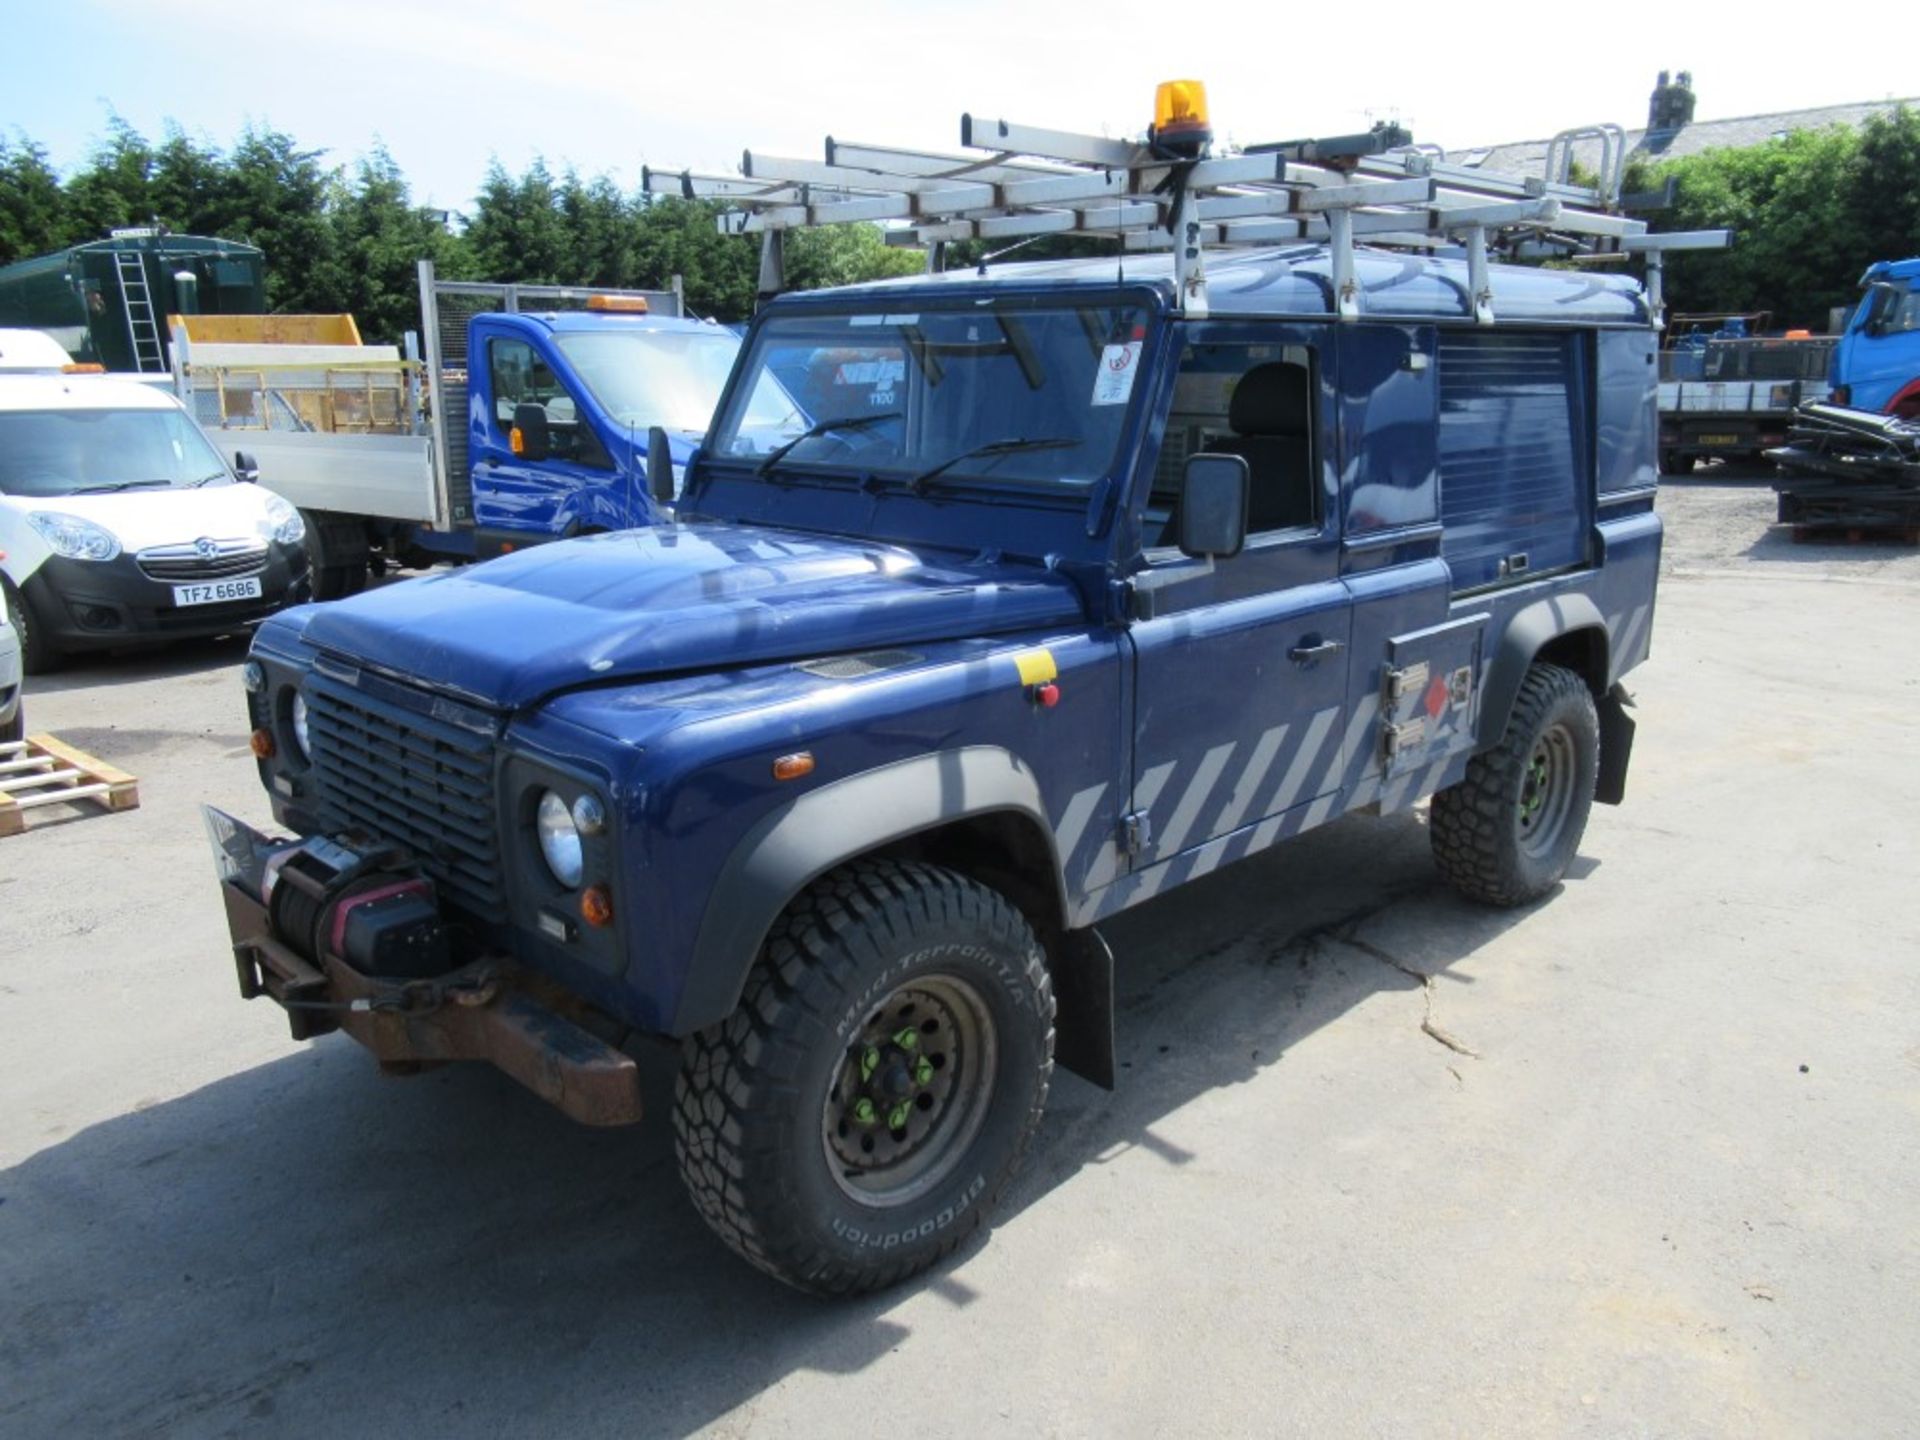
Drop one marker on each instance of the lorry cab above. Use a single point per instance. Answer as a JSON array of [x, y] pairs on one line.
[[560, 406], [121, 525], [1876, 365]]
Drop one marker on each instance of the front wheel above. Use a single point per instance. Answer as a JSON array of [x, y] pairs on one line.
[[38, 654], [859, 1114], [1506, 832]]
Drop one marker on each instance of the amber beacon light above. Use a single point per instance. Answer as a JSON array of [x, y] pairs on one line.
[[1180, 115]]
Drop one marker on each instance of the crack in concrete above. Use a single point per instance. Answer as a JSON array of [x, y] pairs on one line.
[[1428, 1025]]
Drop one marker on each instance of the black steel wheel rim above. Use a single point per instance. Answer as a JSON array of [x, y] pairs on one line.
[[911, 1092], [1546, 791]]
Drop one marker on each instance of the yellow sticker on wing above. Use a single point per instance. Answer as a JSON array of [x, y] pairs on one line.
[[1036, 666]]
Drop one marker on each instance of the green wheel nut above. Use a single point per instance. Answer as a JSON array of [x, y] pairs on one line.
[[923, 1071], [863, 1111], [897, 1118], [908, 1039], [869, 1062]]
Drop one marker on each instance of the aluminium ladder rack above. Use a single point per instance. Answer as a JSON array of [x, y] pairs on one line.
[[1019, 181]]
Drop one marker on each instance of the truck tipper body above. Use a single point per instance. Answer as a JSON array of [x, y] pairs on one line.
[[1064, 584]]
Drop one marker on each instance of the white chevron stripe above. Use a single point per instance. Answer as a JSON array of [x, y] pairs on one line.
[[1198, 789], [1303, 758], [1073, 825], [1251, 777]]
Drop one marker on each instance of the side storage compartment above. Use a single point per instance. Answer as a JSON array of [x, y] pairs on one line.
[[1429, 695], [1514, 497]]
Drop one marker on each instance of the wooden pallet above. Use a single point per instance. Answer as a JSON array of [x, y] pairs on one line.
[[41, 771]]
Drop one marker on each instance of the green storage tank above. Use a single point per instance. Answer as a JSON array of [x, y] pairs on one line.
[[107, 301]]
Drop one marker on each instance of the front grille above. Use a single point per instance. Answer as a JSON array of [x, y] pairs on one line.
[[186, 563], [413, 781]]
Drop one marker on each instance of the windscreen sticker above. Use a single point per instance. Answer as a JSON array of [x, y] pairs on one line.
[[1113, 382]]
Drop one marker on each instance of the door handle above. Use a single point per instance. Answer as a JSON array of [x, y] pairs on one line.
[[1306, 653]]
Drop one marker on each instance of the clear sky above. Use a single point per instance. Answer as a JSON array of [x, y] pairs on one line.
[[606, 86]]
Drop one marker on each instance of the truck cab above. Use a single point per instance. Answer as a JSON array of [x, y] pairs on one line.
[[559, 410], [1877, 363]]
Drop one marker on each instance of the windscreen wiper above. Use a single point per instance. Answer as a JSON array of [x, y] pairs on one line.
[[919, 483], [113, 487], [821, 427]]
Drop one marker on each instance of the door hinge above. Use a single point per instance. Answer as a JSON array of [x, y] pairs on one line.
[[1136, 832]]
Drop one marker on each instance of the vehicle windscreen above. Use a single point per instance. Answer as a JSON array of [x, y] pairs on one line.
[[660, 377], [75, 452], [1009, 392]]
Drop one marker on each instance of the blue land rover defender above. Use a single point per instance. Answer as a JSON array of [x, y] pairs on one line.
[[997, 602]]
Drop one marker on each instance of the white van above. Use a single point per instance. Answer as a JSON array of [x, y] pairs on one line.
[[122, 525], [13, 710]]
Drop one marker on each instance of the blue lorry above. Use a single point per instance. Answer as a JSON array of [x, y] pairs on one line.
[[1067, 583], [539, 405], [1876, 365]]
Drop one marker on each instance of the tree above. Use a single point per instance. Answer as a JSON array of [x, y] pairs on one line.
[[379, 237], [33, 209], [114, 188], [517, 231]]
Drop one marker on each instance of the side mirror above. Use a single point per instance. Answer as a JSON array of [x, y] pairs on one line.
[[1883, 301], [1213, 507], [659, 466], [530, 439], [245, 467]]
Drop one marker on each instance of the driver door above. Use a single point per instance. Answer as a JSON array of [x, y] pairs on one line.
[[1241, 707]]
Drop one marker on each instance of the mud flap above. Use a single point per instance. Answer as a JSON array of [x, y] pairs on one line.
[[1616, 746], [1083, 1006]]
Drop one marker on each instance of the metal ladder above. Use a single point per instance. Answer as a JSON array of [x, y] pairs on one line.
[[143, 326], [1015, 181]]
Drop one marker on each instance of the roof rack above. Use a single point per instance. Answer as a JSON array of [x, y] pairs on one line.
[[1170, 192]]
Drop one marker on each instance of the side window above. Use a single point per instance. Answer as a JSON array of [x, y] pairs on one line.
[[522, 377], [1254, 401]]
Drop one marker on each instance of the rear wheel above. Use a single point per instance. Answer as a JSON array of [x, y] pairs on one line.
[[38, 654], [1506, 832], [1674, 464], [860, 1112], [337, 555]]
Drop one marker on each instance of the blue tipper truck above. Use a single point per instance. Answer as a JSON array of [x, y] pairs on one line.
[[1073, 581], [543, 405]]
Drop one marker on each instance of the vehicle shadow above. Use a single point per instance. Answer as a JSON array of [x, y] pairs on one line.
[[93, 669], [309, 1245]]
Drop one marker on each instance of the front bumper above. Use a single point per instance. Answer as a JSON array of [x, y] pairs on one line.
[[98, 605], [486, 1010]]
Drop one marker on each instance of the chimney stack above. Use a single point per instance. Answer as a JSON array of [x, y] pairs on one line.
[[1671, 105]]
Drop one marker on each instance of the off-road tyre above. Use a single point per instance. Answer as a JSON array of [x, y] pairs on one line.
[[38, 655], [1677, 465], [1487, 843], [755, 1103], [337, 555], [16, 728]]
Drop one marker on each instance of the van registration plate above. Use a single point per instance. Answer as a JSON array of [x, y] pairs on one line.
[[217, 592]]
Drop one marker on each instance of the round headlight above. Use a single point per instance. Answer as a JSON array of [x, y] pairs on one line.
[[299, 718], [559, 839]]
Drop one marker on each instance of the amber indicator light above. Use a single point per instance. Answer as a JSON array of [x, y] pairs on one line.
[[262, 743], [596, 906], [792, 767]]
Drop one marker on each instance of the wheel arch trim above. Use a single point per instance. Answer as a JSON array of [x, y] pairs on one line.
[[826, 827]]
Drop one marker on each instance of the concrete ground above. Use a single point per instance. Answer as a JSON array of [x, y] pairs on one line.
[[1669, 1184]]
